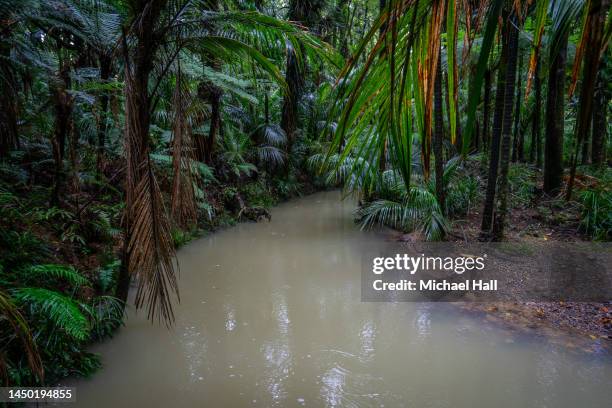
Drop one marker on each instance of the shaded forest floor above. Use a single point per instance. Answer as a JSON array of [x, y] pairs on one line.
[[534, 217]]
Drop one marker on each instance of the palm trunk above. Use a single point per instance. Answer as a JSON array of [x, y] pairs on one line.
[[535, 151], [63, 102], [585, 146], [476, 143], [215, 123], [500, 217], [597, 15], [600, 122], [215, 95], [516, 144], [105, 71], [521, 143], [555, 122], [294, 76], [489, 203], [438, 136], [485, 109], [137, 122], [307, 14]]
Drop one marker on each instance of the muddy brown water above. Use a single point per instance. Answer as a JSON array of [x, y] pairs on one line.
[[270, 315]]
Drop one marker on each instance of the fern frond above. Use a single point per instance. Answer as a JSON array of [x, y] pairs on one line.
[[54, 271], [61, 310]]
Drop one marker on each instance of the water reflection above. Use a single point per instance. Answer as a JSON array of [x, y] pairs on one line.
[[283, 325], [277, 353], [423, 321], [230, 320], [195, 347], [278, 365], [367, 336], [332, 389], [281, 313]]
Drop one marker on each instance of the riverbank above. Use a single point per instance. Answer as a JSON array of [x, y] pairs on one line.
[[535, 218], [59, 261], [584, 326]]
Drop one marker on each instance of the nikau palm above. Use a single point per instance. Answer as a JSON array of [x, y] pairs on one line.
[[388, 90], [129, 126], [157, 25]]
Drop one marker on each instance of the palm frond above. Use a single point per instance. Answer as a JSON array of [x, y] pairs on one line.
[[152, 250], [183, 202], [10, 313]]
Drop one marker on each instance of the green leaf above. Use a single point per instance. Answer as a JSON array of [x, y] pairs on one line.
[[54, 271], [481, 67], [62, 311]]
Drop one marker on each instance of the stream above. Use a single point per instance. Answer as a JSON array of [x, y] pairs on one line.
[[270, 315]]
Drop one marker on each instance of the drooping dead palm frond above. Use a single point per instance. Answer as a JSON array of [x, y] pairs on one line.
[[152, 250], [10, 314], [183, 209], [149, 247], [580, 50], [385, 91], [539, 25]]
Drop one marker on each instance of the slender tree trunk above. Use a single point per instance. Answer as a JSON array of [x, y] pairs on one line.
[[200, 141], [62, 102], [215, 122], [597, 16], [485, 110], [307, 14], [555, 122], [517, 115], [517, 130], [510, 85], [535, 151], [8, 101], [105, 72], [438, 136], [346, 24], [521, 144], [294, 76], [600, 115], [476, 143], [585, 147], [498, 116], [212, 95]]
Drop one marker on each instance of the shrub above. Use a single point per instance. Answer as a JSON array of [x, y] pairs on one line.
[[596, 219]]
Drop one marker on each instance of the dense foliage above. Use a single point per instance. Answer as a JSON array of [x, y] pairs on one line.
[[127, 127]]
